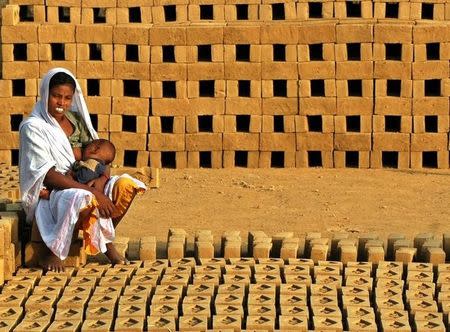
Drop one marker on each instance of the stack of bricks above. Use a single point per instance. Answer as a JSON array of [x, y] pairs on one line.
[[241, 83], [240, 293], [10, 245]]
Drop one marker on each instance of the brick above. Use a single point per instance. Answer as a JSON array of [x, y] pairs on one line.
[[359, 312], [30, 325], [233, 322], [166, 309], [160, 323], [129, 323], [93, 325], [10, 15], [20, 34], [260, 322], [69, 314], [64, 325]]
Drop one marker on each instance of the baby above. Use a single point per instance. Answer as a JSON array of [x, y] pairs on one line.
[[95, 157]]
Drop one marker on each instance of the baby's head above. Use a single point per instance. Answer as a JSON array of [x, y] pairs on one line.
[[100, 149]]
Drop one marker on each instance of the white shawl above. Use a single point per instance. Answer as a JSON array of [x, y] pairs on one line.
[[43, 144]]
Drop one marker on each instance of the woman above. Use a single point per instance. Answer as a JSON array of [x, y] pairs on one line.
[[51, 139]]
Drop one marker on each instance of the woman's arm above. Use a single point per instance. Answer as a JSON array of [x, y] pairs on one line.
[[56, 180]]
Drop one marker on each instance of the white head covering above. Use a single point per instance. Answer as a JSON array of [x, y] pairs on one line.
[[43, 143]]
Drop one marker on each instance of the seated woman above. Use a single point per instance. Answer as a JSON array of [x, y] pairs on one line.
[[51, 140]]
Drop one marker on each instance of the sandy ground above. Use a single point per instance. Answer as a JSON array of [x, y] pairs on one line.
[[298, 200]]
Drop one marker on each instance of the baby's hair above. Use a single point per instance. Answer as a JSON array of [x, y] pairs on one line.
[[61, 78]]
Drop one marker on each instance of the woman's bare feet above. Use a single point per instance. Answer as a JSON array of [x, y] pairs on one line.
[[51, 262], [114, 256]]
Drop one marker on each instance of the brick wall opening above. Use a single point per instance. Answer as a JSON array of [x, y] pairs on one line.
[[278, 124], [99, 15], [277, 159], [392, 123], [18, 87], [241, 158], [354, 88], [317, 88], [352, 159], [433, 51], [393, 88], [429, 159], [242, 12], [64, 14], [279, 88], [316, 52], [243, 52], [243, 123], [315, 10], [391, 10], [15, 157], [427, 11], [167, 124], [204, 53], [130, 158], [278, 12], [244, 88], [168, 159], [170, 13], [94, 120], [26, 13], [206, 12], [168, 53], [15, 120], [206, 88], [205, 159], [389, 159], [314, 159], [132, 53], [95, 52], [354, 51], [129, 123], [432, 88], [134, 15], [279, 52], [58, 51], [353, 8], [353, 123], [93, 87], [169, 89], [205, 123], [393, 51], [431, 123], [131, 88], [314, 123], [20, 52]]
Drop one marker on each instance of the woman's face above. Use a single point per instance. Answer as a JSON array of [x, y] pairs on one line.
[[60, 99]]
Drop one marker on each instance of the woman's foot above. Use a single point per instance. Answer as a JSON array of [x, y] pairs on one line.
[[51, 262], [114, 256]]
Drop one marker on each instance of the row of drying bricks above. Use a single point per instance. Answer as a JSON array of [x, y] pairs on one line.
[[230, 294], [426, 247]]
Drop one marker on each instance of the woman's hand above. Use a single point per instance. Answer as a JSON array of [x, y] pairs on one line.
[[106, 207]]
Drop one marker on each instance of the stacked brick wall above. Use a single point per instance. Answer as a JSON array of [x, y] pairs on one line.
[[234, 83]]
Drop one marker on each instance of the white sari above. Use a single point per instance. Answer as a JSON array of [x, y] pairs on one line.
[[43, 145]]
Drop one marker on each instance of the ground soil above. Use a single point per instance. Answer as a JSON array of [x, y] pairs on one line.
[[297, 200]]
